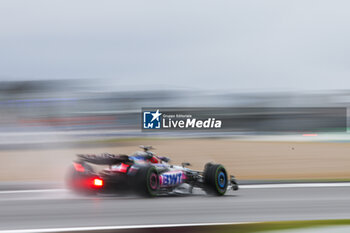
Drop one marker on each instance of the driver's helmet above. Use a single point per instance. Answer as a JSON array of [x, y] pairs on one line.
[[145, 156], [154, 159]]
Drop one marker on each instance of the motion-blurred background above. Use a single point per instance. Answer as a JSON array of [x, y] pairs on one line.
[[74, 77]]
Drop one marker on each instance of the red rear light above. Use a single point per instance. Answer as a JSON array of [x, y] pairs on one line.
[[97, 182], [78, 167]]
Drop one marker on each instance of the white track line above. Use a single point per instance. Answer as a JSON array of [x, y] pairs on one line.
[[33, 191], [296, 185], [101, 228], [244, 186]]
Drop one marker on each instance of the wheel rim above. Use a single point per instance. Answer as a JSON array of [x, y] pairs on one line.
[[222, 179], [153, 181]]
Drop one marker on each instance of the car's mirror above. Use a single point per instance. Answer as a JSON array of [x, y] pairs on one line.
[[164, 159]]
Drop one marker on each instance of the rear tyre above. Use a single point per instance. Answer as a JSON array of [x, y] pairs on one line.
[[147, 181], [215, 179]]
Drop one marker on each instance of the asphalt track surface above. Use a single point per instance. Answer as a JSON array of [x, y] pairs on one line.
[[59, 208]]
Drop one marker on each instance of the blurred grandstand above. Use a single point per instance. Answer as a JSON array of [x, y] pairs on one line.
[[76, 105]]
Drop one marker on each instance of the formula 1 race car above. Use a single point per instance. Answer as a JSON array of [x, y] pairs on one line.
[[146, 174]]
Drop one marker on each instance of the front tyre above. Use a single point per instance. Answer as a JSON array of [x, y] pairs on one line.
[[215, 179]]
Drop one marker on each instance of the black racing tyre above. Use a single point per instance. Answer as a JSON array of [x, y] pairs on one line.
[[147, 181], [215, 179]]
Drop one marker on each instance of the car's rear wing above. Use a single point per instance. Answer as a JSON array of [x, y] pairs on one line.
[[104, 159]]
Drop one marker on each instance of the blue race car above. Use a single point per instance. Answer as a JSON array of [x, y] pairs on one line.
[[145, 173]]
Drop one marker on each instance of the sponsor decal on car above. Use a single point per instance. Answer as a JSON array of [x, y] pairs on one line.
[[171, 178]]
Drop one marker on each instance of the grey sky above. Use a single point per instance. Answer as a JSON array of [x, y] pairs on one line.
[[232, 45]]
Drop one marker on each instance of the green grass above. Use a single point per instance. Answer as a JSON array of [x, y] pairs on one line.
[[240, 228], [270, 226]]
